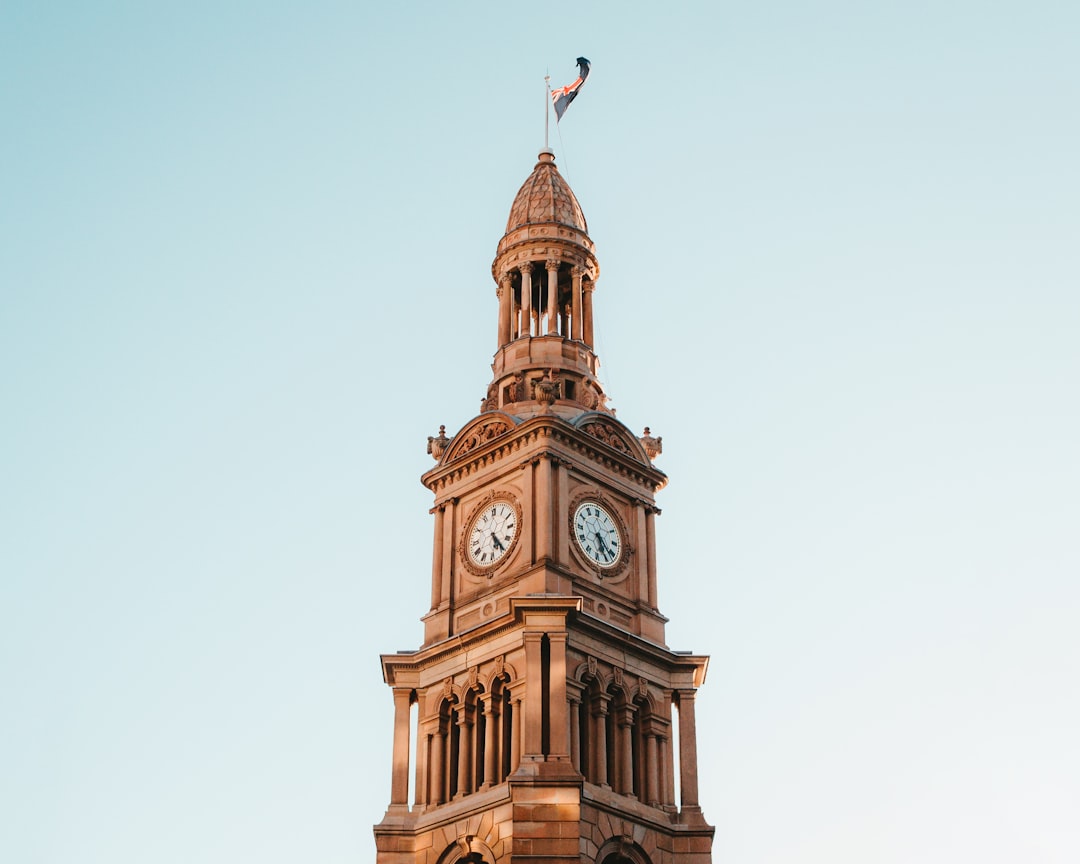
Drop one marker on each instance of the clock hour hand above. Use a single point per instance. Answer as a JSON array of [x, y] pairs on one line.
[[498, 545]]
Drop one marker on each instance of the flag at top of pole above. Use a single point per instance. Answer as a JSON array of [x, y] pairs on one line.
[[563, 96]]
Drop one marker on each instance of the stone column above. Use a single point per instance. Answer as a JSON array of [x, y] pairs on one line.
[[543, 498], [667, 773], [650, 553], [624, 752], [575, 731], [491, 754], [446, 556], [532, 745], [526, 270], [559, 721], [515, 732], [465, 757], [688, 779], [399, 782], [436, 558], [586, 313], [652, 770], [437, 774], [599, 711], [575, 303], [421, 770], [506, 308], [553, 297]]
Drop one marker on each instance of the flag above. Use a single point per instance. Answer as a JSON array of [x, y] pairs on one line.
[[563, 96]]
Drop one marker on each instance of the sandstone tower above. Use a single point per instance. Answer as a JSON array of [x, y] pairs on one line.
[[548, 703]]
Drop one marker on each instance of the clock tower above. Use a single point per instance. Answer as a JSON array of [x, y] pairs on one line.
[[552, 720]]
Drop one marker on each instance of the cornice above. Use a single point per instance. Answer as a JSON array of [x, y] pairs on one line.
[[532, 432], [417, 661]]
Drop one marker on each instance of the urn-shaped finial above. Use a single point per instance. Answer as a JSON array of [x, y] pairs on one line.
[[653, 446], [437, 446]]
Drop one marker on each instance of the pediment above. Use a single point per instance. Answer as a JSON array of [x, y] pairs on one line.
[[478, 432], [605, 428]]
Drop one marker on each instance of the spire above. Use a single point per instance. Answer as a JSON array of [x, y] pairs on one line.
[[546, 270]]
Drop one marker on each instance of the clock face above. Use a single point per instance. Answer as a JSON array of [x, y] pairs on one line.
[[597, 534], [492, 533]]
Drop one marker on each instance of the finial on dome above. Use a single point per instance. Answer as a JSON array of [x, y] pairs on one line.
[[547, 155]]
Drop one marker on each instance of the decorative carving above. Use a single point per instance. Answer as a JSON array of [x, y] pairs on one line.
[[482, 435], [474, 675], [642, 687], [653, 446], [515, 388], [437, 446], [617, 673], [609, 435], [500, 666], [546, 390], [577, 270], [589, 397], [591, 661], [551, 264], [525, 267], [491, 401], [447, 687]]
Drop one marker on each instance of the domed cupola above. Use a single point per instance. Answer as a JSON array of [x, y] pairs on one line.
[[546, 198], [546, 270]]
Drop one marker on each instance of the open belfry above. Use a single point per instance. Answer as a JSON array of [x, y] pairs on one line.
[[553, 724]]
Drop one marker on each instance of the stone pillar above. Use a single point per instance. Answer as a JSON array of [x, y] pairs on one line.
[[465, 756], [436, 558], [586, 313], [650, 553], [506, 308], [575, 731], [437, 772], [624, 752], [491, 750], [667, 773], [526, 298], [559, 721], [553, 297], [532, 745], [421, 770], [446, 556], [575, 303], [652, 770], [599, 712], [399, 782], [688, 779], [515, 732], [543, 469]]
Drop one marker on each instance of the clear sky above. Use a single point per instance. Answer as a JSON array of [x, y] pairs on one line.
[[245, 260]]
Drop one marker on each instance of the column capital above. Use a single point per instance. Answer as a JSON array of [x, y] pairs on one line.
[[552, 264], [525, 267]]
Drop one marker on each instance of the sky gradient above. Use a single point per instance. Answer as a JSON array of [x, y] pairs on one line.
[[245, 271]]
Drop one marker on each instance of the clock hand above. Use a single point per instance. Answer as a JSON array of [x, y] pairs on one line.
[[495, 540]]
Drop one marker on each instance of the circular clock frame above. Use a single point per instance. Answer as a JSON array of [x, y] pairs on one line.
[[618, 567], [464, 551]]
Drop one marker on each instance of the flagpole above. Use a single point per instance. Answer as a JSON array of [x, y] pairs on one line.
[[547, 108]]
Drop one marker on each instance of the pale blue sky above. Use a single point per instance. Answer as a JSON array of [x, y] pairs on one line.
[[840, 276]]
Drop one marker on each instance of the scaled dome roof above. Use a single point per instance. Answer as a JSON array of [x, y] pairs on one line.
[[545, 197]]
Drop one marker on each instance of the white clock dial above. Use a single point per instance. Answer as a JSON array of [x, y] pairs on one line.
[[597, 534], [492, 533]]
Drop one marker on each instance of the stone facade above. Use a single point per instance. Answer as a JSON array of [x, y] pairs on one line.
[[547, 699]]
